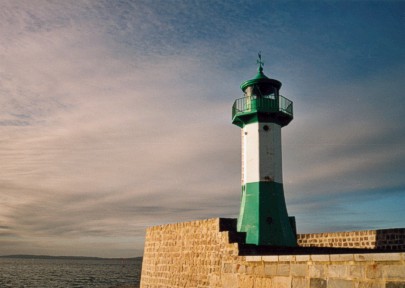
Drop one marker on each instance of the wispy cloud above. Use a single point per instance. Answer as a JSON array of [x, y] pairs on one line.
[[115, 116]]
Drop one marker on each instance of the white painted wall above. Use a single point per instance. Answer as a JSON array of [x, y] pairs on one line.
[[261, 156]]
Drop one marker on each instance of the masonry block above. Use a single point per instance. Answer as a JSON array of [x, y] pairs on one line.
[[302, 258], [317, 271], [270, 269], [320, 258], [270, 258], [317, 283], [340, 283], [372, 284], [395, 285], [263, 283], [338, 271], [394, 272], [341, 257], [230, 281], [281, 282], [246, 281], [283, 269], [299, 282], [374, 271], [378, 257], [299, 269], [357, 271]]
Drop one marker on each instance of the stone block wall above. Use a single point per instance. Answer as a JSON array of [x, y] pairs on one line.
[[208, 253], [386, 239], [186, 254]]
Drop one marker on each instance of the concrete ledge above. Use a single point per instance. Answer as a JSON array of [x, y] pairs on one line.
[[379, 257]]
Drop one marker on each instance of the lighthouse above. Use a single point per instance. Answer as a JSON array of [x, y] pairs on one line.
[[261, 114]]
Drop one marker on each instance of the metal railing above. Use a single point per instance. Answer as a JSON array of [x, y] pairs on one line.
[[260, 104], [285, 105]]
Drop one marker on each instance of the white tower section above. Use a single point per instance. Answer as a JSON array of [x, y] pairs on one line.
[[261, 156]]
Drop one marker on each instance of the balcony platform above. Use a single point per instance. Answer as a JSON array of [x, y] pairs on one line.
[[259, 109]]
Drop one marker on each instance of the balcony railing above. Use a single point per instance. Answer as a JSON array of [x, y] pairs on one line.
[[254, 104]]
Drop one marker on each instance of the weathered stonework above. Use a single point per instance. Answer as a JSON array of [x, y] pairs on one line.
[[207, 253]]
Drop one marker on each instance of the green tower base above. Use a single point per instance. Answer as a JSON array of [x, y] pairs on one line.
[[263, 215]]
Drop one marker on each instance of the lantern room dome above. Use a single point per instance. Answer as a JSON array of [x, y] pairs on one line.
[[261, 82]]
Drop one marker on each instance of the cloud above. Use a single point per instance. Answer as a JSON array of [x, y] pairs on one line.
[[352, 141], [92, 140], [115, 116]]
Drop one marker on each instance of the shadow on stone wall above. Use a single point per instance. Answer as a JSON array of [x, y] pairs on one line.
[[383, 240], [394, 237], [390, 239]]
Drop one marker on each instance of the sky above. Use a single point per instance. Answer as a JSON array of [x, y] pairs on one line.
[[116, 116]]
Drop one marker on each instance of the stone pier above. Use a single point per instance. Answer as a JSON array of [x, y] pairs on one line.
[[210, 253]]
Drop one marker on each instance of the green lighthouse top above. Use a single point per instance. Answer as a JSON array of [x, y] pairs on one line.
[[262, 101], [261, 82]]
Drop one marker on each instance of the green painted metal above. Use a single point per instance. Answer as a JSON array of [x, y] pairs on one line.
[[254, 109], [263, 215], [261, 80]]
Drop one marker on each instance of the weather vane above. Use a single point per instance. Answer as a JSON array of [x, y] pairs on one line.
[[260, 62]]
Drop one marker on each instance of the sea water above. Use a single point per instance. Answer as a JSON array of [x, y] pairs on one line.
[[66, 273]]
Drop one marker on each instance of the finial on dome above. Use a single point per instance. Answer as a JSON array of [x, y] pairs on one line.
[[260, 62]]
